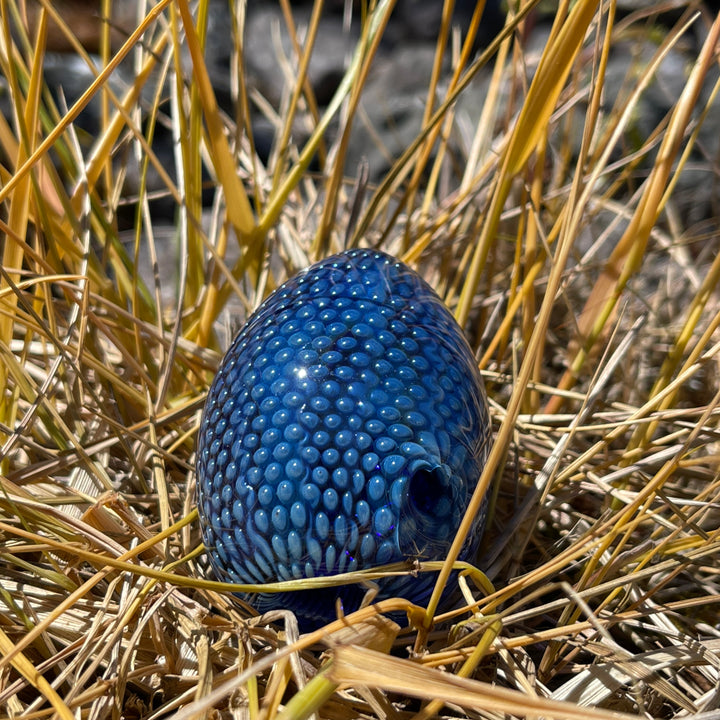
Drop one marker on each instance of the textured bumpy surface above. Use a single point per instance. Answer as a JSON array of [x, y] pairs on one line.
[[346, 428]]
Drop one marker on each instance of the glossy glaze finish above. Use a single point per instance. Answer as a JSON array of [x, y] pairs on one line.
[[346, 428]]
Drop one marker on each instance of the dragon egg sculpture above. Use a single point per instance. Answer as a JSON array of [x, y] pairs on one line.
[[346, 428]]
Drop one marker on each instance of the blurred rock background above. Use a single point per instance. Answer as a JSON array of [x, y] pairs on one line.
[[395, 93]]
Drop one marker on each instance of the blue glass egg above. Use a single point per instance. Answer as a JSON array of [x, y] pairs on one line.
[[346, 428]]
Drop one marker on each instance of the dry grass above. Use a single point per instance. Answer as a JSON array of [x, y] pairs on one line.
[[553, 232]]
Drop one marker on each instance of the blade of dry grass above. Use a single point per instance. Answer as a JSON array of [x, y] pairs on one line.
[[120, 563], [370, 42], [555, 65], [424, 155], [26, 668], [627, 255], [302, 86], [356, 666], [238, 206], [26, 110]]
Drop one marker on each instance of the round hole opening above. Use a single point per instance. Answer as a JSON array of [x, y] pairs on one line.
[[426, 489]]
